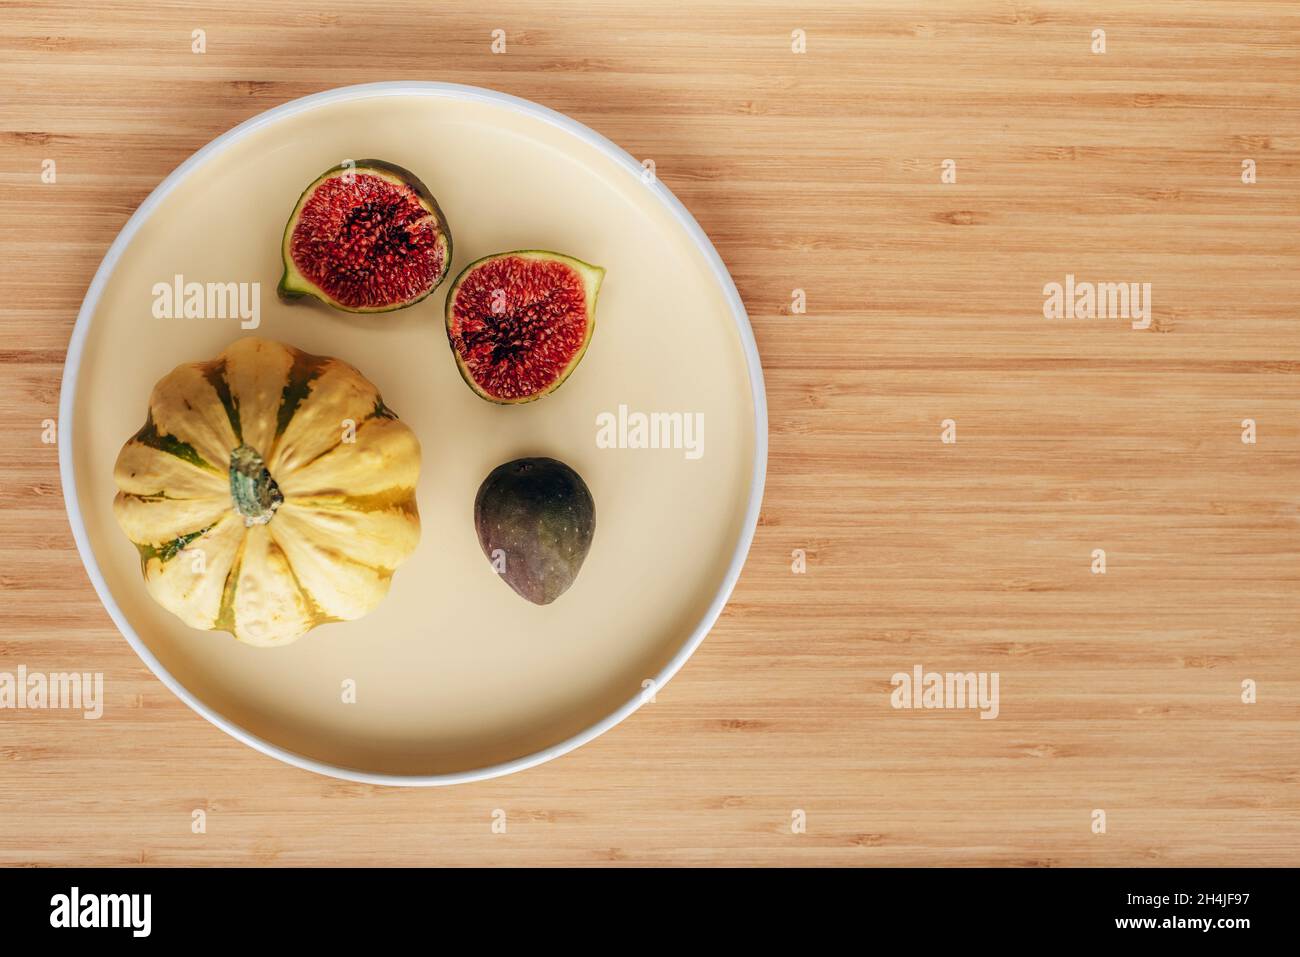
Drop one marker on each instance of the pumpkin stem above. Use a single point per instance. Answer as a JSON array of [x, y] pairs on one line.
[[254, 492]]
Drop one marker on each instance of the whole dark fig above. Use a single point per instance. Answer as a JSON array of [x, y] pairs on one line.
[[535, 518]]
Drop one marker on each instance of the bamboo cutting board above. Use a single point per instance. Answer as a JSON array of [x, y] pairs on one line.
[[890, 292]]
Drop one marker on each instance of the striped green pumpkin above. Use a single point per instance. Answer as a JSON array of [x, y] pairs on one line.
[[270, 491]]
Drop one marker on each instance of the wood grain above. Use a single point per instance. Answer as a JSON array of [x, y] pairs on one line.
[[817, 171]]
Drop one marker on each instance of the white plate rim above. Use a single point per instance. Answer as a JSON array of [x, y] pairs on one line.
[[72, 365]]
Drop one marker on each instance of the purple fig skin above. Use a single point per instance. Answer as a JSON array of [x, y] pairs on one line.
[[538, 517]]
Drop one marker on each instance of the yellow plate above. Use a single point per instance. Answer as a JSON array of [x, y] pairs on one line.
[[456, 678]]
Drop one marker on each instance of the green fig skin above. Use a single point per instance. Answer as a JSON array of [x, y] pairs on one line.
[[535, 519]]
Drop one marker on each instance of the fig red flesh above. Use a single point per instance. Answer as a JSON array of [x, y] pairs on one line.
[[366, 240], [519, 323]]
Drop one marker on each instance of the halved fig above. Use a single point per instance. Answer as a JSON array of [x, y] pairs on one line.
[[519, 322], [365, 237]]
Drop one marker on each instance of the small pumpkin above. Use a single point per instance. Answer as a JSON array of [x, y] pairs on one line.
[[270, 491]]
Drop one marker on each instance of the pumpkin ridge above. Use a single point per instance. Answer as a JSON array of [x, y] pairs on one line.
[[320, 455], [317, 614], [150, 437], [225, 620], [399, 498], [380, 411], [215, 373], [304, 371], [344, 559], [166, 551], [160, 496], [314, 612]]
